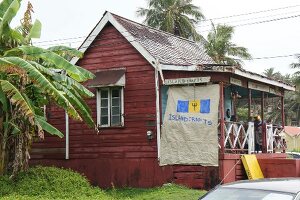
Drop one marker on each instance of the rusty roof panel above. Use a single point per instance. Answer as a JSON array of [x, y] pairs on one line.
[[106, 78]]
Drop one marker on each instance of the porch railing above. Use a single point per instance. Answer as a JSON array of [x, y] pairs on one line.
[[275, 143], [269, 138], [240, 138]]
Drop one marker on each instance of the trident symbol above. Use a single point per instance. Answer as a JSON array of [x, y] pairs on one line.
[[194, 104]]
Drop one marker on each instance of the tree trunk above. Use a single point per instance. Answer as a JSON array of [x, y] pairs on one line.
[[3, 143], [2, 156]]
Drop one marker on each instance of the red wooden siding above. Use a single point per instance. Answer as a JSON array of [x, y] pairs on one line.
[[119, 156]]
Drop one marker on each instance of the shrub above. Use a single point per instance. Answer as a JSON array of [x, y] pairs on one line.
[[49, 183]]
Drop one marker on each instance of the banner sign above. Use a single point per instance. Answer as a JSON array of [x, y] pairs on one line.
[[190, 126], [257, 86], [235, 81], [186, 81]]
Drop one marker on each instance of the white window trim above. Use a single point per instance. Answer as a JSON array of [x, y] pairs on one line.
[[98, 103]]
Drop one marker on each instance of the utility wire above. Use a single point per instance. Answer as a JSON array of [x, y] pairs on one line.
[[250, 13], [248, 19], [238, 25], [271, 57], [260, 22], [231, 16]]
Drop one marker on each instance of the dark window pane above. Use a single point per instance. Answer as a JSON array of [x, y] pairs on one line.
[[115, 93], [104, 94], [104, 120], [115, 120], [115, 102], [115, 111], [104, 102], [104, 111]]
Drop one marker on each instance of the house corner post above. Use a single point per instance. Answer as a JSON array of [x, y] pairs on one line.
[[249, 103], [158, 121], [282, 110], [264, 128]]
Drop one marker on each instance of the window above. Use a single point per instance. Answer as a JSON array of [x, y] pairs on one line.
[[110, 107]]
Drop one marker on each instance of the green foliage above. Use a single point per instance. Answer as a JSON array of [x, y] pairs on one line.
[[167, 192], [54, 183], [49, 183], [221, 49], [296, 150], [178, 17], [242, 114], [30, 78]]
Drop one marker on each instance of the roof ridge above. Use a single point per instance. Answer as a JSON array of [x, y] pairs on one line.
[[150, 27]]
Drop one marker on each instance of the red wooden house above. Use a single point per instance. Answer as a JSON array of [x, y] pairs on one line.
[[163, 108]]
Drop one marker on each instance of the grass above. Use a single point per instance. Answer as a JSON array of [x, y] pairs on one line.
[[167, 192], [54, 183]]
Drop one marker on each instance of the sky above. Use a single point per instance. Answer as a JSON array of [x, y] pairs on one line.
[[68, 22]]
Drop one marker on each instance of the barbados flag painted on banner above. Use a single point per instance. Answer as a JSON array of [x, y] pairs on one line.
[[193, 106]]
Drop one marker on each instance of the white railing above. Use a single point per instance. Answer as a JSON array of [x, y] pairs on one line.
[[278, 141], [274, 141], [237, 138], [241, 138], [269, 138]]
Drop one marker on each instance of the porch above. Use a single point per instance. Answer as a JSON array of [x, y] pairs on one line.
[[237, 137]]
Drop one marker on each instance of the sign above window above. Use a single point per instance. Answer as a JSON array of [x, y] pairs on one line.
[[235, 81], [257, 86], [186, 81]]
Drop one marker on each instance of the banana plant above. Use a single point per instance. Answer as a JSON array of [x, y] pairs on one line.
[[30, 78]]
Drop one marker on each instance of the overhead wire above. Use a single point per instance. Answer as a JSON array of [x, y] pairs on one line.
[[238, 25], [260, 22], [231, 16], [247, 19], [250, 13], [116, 43]]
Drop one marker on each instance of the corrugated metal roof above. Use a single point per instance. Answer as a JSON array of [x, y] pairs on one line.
[[167, 48]]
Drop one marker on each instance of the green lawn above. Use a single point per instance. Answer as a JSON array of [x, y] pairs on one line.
[[53, 183]]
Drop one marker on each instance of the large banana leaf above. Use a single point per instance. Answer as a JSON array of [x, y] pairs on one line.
[[71, 94], [85, 113], [59, 77], [4, 5], [3, 100], [13, 127], [8, 10], [35, 31], [17, 99], [71, 82], [43, 124], [77, 73], [41, 81], [66, 50], [9, 13]]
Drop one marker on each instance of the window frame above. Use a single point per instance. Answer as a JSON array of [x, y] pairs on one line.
[[98, 102]]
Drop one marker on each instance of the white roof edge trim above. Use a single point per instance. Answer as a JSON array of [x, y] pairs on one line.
[[109, 18], [131, 40], [264, 80], [88, 41], [237, 71], [179, 68]]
